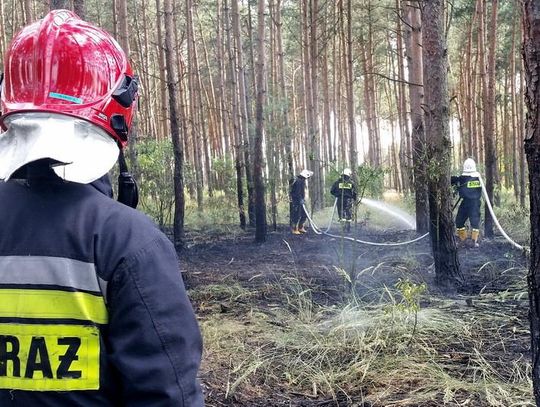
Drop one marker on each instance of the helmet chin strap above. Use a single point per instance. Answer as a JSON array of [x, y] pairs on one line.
[[128, 192]]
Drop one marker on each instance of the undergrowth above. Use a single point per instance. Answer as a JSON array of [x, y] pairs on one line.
[[392, 352]]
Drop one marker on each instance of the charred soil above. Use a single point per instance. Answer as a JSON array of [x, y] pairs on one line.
[[256, 302]]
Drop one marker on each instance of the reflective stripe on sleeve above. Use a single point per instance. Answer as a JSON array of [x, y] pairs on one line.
[[49, 271], [34, 303]]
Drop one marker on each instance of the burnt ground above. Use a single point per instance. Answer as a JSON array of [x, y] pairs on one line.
[[234, 258]]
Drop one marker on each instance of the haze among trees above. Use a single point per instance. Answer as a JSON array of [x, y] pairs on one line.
[[238, 96]]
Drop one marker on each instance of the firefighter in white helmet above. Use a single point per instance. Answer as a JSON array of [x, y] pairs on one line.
[[297, 194], [345, 192], [470, 191]]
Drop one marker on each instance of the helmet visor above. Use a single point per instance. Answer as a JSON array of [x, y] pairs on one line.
[[84, 151]]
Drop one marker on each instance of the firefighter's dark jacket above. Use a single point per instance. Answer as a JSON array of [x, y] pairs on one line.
[[298, 189], [114, 325], [344, 188], [468, 187]]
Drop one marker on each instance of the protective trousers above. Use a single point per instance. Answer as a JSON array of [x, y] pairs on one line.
[[469, 209], [344, 207], [298, 215]]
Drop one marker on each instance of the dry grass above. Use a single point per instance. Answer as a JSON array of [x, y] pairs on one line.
[[462, 353]]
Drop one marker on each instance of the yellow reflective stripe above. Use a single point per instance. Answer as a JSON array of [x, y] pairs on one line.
[[29, 303], [473, 184], [49, 357], [345, 185]]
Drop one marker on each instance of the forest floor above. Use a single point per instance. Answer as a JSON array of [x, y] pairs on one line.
[[318, 321]]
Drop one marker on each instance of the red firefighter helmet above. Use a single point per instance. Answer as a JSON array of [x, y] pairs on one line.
[[63, 65]]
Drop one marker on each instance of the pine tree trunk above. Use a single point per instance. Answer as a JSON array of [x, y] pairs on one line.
[[210, 98], [506, 132], [194, 106], [521, 131], [402, 104], [236, 115], [243, 113], [490, 157], [145, 104], [162, 80], [172, 80], [220, 57], [258, 164], [29, 15], [78, 8], [513, 116], [448, 274], [350, 92], [60, 4], [287, 134], [249, 140], [416, 95], [123, 39], [531, 57], [3, 39]]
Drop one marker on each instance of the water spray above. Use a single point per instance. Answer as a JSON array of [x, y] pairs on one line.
[[396, 213], [318, 231], [404, 218]]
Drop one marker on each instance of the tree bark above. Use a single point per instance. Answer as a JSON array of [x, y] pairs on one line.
[[123, 40], [194, 105], [172, 86], [287, 136], [260, 204], [79, 8], [237, 116], [162, 129], [448, 274], [350, 93], [249, 140], [220, 57], [28, 12], [490, 153], [3, 39], [402, 104], [416, 95], [531, 58], [60, 4]]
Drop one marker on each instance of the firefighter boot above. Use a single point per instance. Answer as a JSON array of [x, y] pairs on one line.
[[462, 234], [474, 237]]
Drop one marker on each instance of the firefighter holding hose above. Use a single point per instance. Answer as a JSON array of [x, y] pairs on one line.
[[297, 195], [470, 191], [345, 192]]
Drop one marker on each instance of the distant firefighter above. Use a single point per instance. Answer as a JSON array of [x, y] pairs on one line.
[[470, 191], [345, 192], [297, 197]]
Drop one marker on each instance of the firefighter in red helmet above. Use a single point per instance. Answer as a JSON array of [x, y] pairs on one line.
[[94, 311]]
